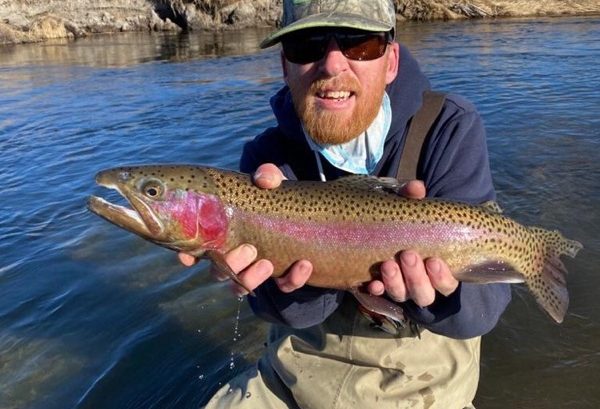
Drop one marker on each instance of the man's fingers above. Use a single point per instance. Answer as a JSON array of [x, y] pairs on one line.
[[296, 277], [253, 276], [376, 287], [237, 259], [440, 276], [240, 257], [186, 259], [268, 176], [241, 261], [393, 281], [250, 273], [413, 189], [417, 282]]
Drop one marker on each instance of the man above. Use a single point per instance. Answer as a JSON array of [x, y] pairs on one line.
[[350, 94]]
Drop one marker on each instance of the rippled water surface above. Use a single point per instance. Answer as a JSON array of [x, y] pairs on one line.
[[93, 317]]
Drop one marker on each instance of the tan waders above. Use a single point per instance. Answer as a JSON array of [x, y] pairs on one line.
[[345, 363]]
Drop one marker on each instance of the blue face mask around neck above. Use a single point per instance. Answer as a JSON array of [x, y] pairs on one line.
[[361, 154]]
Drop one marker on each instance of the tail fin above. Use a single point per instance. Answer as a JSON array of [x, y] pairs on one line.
[[547, 279]]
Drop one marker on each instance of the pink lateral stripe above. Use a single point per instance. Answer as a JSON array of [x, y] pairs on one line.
[[357, 234]]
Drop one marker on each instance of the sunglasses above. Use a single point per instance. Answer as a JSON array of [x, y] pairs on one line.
[[305, 47]]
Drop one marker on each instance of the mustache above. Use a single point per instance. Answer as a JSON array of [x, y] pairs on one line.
[[336, 83]]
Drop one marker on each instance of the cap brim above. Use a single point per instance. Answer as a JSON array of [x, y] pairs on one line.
[[326, 20]]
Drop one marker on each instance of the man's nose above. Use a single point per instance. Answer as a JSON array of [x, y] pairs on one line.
[[333, 62]]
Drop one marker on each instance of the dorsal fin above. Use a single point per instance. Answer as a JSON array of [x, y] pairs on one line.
[[371, 183], [492, 206]]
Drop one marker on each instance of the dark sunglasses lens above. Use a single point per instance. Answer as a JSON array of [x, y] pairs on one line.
[[304, 50], [362, 47]]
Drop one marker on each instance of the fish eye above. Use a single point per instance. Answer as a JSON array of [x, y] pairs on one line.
[[152, 189]]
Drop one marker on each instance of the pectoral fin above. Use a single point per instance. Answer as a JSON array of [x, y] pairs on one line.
[[219, 263]]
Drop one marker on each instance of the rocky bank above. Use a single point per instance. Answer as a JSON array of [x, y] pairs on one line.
[[34, 20]]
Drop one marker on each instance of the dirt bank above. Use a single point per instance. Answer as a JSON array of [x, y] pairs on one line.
[[34, 20]]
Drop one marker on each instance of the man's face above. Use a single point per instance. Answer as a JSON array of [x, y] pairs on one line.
[[337, 97]]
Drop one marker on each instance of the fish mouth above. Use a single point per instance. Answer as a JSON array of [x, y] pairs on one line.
[[139, 219], [122, 216]]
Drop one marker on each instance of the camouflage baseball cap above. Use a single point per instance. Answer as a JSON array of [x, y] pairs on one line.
[[369, 15]]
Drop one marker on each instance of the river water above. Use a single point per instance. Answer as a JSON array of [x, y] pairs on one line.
[[94, 317]]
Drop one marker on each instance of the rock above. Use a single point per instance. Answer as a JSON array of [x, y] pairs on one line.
[[470, 10], [240, 15], [8, 35], [17, 21], [27, 20], [202, 21], [425, 10], [75, 29], [170, 26]]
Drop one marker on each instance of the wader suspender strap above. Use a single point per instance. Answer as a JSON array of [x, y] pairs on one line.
[[418, 130]]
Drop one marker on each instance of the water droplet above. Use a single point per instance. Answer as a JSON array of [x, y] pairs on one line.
[[236, 332]]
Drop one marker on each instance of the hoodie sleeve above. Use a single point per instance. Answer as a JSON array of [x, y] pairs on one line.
[[308, 305], [455, 166]]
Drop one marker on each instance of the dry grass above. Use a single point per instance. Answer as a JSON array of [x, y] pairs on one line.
[[48, 27]]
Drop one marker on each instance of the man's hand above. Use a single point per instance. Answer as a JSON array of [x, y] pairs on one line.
[[242, 259], [409, 277]]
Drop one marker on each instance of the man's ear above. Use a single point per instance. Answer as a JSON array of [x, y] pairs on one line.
[[284, 69], [393, 61]]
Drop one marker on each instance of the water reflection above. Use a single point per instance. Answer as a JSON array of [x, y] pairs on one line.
[[123, 50]]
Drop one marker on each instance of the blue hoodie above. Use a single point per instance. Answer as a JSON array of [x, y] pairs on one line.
[[454, 165]]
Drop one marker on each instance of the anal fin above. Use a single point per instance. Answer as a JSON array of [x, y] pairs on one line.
[[488, 272], [384, 314]]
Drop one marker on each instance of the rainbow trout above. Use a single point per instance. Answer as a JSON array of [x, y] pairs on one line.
[[346, 228]]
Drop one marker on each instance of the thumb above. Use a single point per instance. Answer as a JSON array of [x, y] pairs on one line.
[[268, 176]]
